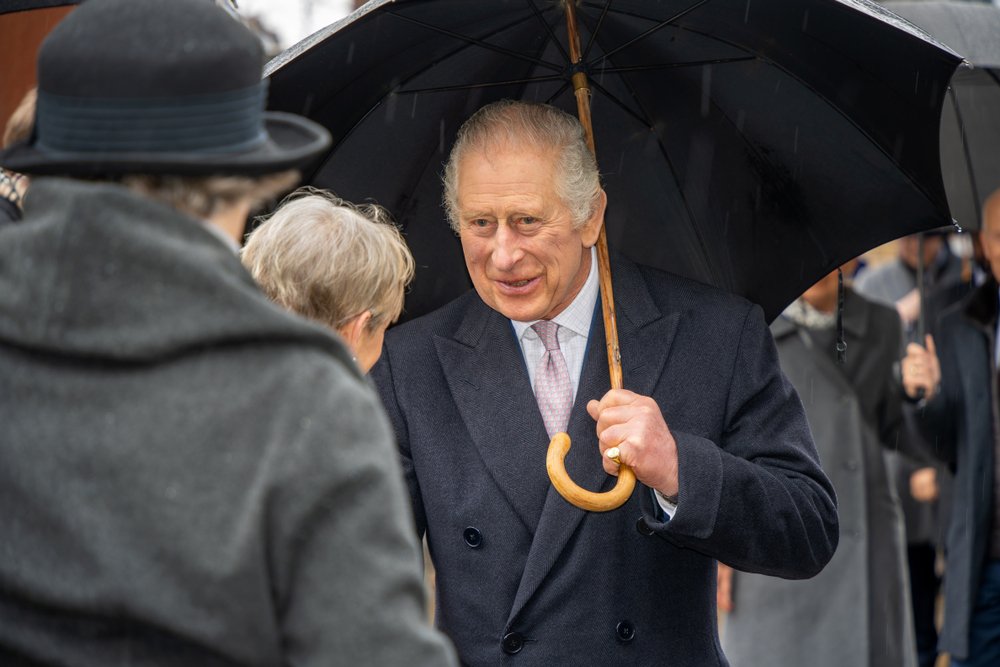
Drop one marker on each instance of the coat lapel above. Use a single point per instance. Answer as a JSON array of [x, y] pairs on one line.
[[484, 368], [644, 335]]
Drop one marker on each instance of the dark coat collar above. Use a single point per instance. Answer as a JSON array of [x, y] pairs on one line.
[[983, 304]]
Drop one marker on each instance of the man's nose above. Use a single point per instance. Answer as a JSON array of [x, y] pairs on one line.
[[507, 250]]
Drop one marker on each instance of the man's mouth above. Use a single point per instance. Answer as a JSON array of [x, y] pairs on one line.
[[517, 286]]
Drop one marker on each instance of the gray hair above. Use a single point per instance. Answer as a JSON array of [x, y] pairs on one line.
[[330, 260], [202, 197], [515, 123]]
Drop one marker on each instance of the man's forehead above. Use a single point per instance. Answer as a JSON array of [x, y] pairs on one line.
[[491, 150]]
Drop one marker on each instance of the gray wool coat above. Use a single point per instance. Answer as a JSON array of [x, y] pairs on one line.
[[857, 611], [188, 474], [525, 578]]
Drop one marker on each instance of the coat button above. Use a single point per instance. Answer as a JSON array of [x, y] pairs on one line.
[[625, 631], [473, 537], [512, 643], [643, 527]]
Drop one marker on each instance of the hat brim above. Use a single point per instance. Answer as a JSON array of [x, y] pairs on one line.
[[293, 142]]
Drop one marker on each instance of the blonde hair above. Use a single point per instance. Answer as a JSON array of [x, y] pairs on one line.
[[330, 260]]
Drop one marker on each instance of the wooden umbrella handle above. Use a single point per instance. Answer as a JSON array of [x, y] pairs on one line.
[[582, 498]]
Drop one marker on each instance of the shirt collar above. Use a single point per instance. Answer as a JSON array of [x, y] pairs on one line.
[[578, 315]]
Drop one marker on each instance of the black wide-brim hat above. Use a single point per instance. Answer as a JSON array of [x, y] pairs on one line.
[[154, 87]]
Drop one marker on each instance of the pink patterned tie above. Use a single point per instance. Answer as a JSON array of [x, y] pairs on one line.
[[553, 388]]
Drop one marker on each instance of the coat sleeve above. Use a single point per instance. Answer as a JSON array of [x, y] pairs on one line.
[[382, 377], [757, 499], [346, 557]]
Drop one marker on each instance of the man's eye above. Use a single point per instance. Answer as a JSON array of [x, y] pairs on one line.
[[480, 222], [528, 220]]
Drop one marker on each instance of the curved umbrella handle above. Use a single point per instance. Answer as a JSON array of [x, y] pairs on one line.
[[582, 498]]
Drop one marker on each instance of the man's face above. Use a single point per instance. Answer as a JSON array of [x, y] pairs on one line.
[[909, 249], [823, 295], [989, 235], [526, 259]]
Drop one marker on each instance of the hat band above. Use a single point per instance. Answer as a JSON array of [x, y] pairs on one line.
[[218, 123]]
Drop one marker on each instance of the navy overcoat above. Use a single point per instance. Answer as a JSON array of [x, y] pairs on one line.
[[525, 578]]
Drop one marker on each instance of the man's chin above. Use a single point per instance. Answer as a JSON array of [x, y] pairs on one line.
[[519, 310]]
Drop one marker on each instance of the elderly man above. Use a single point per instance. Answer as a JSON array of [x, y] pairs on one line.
[[189, 475], [714, 432]]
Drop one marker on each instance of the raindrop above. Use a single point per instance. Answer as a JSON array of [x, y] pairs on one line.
[[350, 53], [391, 102], [746, 14], [805, 21], [795, 141], [916, 82], [413, 109], [706, 89]]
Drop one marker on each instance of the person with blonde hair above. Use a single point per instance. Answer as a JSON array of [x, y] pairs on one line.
[[341, 264]]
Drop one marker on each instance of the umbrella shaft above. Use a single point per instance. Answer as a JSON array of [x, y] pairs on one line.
[[582, 89]]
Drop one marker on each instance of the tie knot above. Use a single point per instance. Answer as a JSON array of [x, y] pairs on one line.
[[548, 331]]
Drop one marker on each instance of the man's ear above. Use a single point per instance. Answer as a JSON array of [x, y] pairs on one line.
[[354, 329], [592, 228]]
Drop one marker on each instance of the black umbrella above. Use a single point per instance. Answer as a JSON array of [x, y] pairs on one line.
[[751, 144], [970, 124]]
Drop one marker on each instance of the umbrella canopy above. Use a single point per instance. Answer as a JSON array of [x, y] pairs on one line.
[[748, 145], [970, 124]]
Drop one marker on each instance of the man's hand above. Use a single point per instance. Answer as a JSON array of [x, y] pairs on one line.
[[908, 307], [923, 485], [921, 370], [724, 591], [635, 425]]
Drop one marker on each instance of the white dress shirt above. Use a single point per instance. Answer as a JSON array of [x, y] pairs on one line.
[[574, 330]]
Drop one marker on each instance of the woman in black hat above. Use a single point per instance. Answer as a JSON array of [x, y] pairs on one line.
[[189, 475]]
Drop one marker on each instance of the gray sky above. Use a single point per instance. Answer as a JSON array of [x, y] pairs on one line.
[[295, 19]]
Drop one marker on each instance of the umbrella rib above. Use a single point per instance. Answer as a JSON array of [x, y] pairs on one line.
[[548, 29], [558, 92], [478, 42], [693, 63], [614, 98], [597, 29], [663, 151], [654, 29], [486, 84], [965, 153]]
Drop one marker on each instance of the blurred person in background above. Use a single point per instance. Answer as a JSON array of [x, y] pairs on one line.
[[956, 372], [922, 484], [857, 610], [189, 474], [343, 265], [13, 186]]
